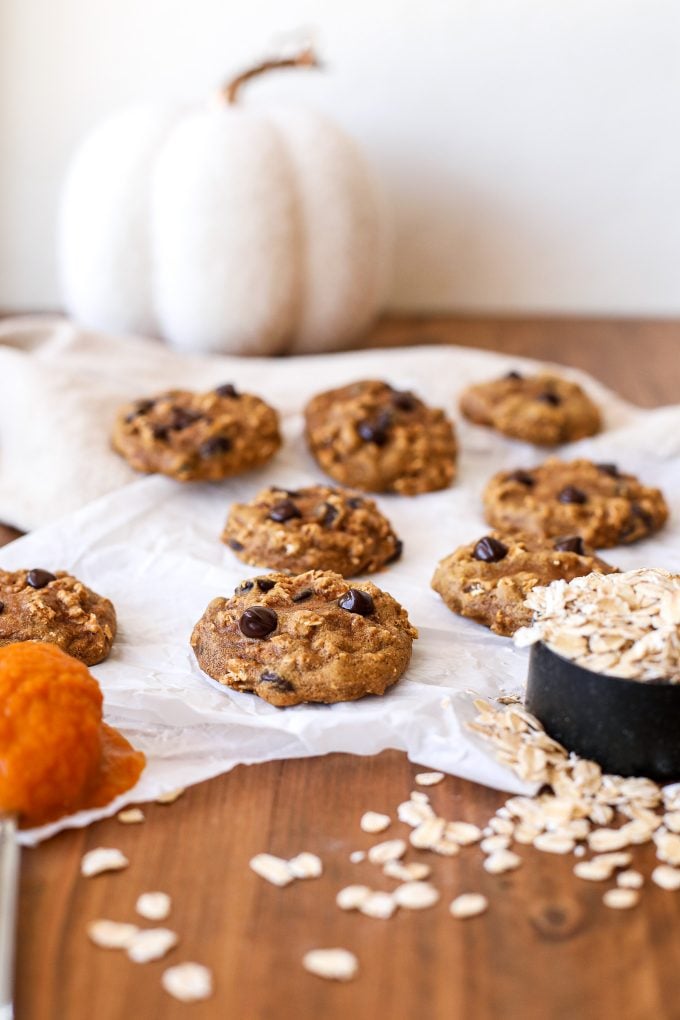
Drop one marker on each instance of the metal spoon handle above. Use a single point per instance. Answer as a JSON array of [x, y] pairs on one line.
[[9, 881]]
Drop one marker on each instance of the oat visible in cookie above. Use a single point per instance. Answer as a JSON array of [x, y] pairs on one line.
[[197, 436], [489, 579], [542, 409], [338, 644], [598, 502], [372, 437], [37, 605], [313, 528]]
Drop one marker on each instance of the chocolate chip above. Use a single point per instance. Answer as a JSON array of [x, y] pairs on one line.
[[236, 546], [269, 677], [141, 407], [2, 606], [180, 418], [396, 555], [404, 400], [331, 514], [284, 511], [243, 587], [523, 477], [549, 398], [644, 515], [514, 375], [159, 432], [570, 494], [227, 390], [609, 469], [264, 583], [39, 578], [490, 550], [356, 601], [303, 595], [258, 622], [573, 544], [355, 502], [375, 431], [214, 445]]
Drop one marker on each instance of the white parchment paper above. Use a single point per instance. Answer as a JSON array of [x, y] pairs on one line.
[[152, 547]]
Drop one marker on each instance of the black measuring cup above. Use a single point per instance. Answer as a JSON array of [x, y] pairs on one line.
[[629, 727]]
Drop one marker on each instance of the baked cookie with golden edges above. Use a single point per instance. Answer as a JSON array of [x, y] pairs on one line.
[[542, 409], [596, 501], [488, 580], [308, 638], [372, 437], [317, 527], [37, 605], [197, 437]]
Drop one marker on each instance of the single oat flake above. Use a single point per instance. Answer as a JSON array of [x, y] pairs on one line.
[[171, 796], [429, 778], [131, 816], [111, 934], [333, 964], [154, 906], [96, 862], [151, 944], [416, 895], [468, 905], [188, 982], [373, 821]]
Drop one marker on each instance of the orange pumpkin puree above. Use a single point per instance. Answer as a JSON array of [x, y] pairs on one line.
[[57, 756]]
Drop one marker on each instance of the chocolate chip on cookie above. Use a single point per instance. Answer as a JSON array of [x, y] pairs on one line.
[[315, 528], [378, 439], [197, 436], [576, 498], [37, 605], [542, 409], [492, 591], [309, 638]]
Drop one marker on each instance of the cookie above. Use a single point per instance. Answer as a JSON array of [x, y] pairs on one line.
[[197, 436], [541, 409], [36, 605], [596, 501], [308, 638], [372, 437], [488, 580], [314, 528]]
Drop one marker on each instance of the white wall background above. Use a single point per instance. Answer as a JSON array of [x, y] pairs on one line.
[[531, 148]]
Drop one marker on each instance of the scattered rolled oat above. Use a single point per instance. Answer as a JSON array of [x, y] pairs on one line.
[[154, 906], [414, 813], [334, 964], [357, 856], [273, 869], [666, 877], [373, 821], [624, 624], [415, 871], [592, 871], [306, 865], [502, 860], [554, 843], [427, 833], [378, 904], [131, 816], [416, 895], [188, 982], [429, 778], [468, 905], [352, 896], [621, 899], [102, 859], [630, 880], [390, 850], [111, 934], [463, 833], [171, 796], [493, 843], [151, 944]]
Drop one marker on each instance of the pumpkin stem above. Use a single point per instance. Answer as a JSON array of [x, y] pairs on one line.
[[305, 58]]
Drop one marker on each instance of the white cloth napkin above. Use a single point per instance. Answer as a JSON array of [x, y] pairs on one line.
[[152, 546]]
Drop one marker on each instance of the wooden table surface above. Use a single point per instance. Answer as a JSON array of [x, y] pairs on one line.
[[547, 949]]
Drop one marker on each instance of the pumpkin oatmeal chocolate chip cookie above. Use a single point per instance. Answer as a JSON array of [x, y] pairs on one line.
[[542, 409], [372, 437], [197, 436], [311, 637], [596, 501], [314, 528], [36, 605], [488, 580]]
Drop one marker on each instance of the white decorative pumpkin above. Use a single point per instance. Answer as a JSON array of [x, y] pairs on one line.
[[224, 229]]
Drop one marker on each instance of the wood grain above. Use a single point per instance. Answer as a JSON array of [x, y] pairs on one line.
[[546, 950]]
